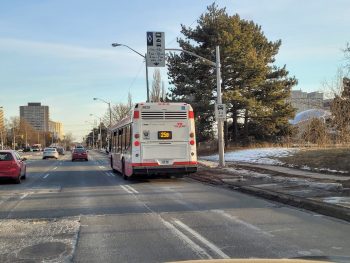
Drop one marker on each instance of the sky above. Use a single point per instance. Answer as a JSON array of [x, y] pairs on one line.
[[58, 52]]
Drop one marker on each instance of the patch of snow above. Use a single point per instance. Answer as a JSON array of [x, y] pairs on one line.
[[308, 183], [258, 155], [331, 171], [248, 173], [327, 186], [305, 167], [209, 164], [337, 200]]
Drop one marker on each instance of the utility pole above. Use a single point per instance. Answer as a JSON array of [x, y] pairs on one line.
[[100, 135], [14, 139], [2, 139], [220, 122], [147, 84], [26, 138], [93, 137], [219, 101]]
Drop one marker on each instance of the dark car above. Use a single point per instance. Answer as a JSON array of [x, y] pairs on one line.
[[12, 166], [79, 154], [60, 150], [27, 149]]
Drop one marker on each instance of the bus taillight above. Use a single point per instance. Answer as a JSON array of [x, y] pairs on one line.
[[192, 142], [192, 134], [136, 114], [137, 135], [137, 143], [191, 115]]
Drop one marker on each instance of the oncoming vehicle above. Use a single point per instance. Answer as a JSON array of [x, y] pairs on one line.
[[12, 165], [156, 138], [50, 153], [60, 150], [36, 147], [79, 154]]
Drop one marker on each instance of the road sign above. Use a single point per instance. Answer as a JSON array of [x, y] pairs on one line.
[[155, 49], [220, 111]]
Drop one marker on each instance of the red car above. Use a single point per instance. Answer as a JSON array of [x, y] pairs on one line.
[[12, 165], [79, 154]]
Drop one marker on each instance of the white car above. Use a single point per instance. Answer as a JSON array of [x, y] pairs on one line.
[[50, 153]]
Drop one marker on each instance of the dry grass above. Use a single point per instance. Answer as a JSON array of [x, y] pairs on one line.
[[330, 158]]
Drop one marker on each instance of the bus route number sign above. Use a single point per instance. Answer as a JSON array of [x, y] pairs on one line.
[[165, 135]]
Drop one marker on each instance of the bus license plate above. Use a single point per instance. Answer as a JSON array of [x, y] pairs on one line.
[[165, 135]]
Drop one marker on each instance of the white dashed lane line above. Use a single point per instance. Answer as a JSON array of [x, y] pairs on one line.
[[46, 175], [126, 189], [201, 239], [131, 189]]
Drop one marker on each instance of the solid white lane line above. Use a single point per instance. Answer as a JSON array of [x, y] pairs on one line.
[[196, 248], [126, 189], [101, 167], [131, 189], [54, 168], [239, 221], [202, 239], [46, 175]]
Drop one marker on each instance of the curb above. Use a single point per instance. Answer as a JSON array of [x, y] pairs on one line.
[[311, 205]]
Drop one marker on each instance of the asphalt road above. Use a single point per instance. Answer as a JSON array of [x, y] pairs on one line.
[[82, 212]]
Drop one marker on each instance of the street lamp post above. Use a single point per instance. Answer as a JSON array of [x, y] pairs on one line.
[[144, 56], [110, 118], [2, 139], [100, 129], [220, 122], [93, 134]]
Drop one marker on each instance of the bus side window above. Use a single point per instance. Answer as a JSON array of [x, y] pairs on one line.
[[123, 139], [114, 143], [120, 131], [127, 137], [130, 134]]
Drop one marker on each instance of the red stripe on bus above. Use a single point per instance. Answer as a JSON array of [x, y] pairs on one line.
[[156, 164], [144, 164], [185, 163]]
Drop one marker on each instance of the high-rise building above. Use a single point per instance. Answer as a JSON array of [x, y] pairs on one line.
[[36, 115], [305, 101], [57, 129]]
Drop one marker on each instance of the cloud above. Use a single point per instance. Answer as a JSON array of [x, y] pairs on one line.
[[62, 50], [297, 53]]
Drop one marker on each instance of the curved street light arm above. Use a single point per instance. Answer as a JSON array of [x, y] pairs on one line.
[[192, 54], [116, 45], [102, 100]]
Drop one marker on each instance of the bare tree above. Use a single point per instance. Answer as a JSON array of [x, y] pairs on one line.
[[315, 131], [340, 110], [119, 111], [334, 87], [163, 93], [156, 86]]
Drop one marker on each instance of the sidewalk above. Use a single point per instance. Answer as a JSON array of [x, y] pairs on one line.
[[323, 193]]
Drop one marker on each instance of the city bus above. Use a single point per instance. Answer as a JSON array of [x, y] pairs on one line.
[[155, 138]]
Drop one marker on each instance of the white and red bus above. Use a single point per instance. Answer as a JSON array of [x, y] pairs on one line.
[[156, 138]]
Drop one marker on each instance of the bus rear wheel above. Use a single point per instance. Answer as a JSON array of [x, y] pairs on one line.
[[125, 177]]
